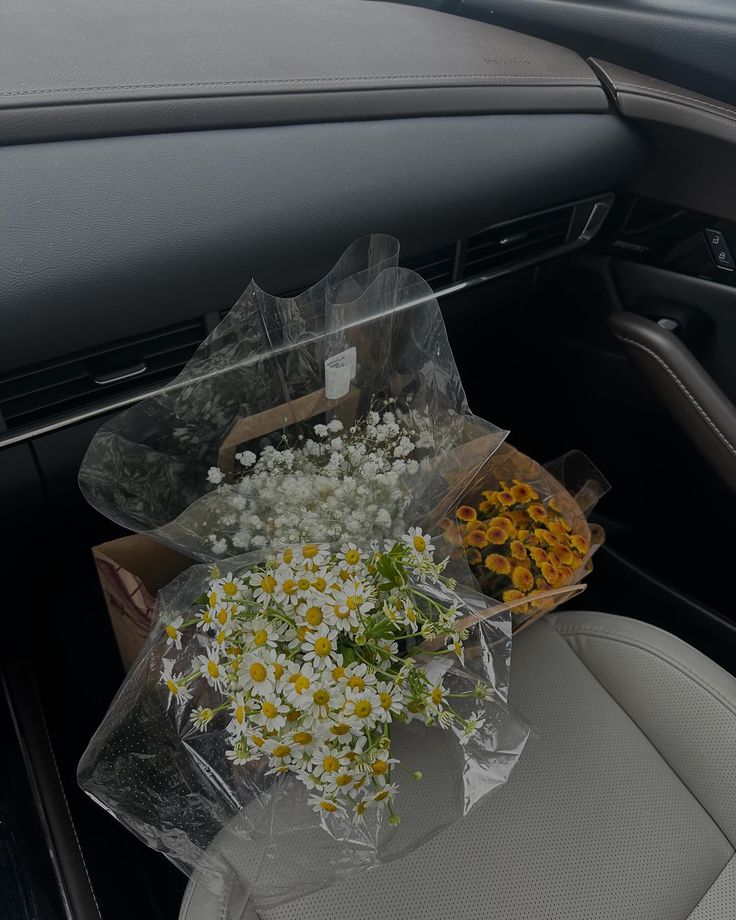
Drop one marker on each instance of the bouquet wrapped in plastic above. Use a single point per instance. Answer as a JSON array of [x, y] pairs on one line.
[[286, 713], [291, 696], [523, 529], [318, 417]]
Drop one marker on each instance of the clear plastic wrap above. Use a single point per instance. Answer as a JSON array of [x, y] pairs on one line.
[[368, 337], [331, 417], [175, 788]]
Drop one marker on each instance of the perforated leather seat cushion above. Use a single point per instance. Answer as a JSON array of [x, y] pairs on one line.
[[623, 807]]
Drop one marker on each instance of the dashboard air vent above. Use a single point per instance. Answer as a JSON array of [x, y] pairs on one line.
[[435, 267], [73, 384], [527, 238]]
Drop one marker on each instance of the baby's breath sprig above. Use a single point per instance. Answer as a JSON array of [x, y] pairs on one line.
[[312, 657], [337, 485]]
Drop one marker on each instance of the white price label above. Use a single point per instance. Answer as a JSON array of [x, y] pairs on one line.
[[340, 369]]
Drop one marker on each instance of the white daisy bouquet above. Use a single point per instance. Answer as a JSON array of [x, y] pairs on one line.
[[290, 709], [315, 654]]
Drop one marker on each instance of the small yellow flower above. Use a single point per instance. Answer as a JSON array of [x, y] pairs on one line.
[[579, 544], [518, 550], [523, 492], [466, 513], [505, 498], [497, 563], [474, 556], [497, 535], [523, 579], [477, 538], [537, 512], [538, 554]]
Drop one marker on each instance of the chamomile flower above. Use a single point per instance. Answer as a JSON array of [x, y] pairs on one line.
[[391, 700], [359, 677], [265, 632], [271, 714], [364, 708], [386, 793], [256, 672], [320, 700], [211, 667], [228, 587], [325, 806], [264, 584], [174, 683], [173, 632], [201, 717], [350, 556], [311, 555], [419, 543], [320, 647], [300, 679], [240, 711]]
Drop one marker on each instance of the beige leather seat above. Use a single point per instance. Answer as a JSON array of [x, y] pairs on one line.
[[624, 807]]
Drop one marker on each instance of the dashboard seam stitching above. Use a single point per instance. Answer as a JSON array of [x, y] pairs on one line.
[[431, 76], [663, 96]]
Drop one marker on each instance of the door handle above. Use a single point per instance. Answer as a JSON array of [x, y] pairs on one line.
[[684, 387]]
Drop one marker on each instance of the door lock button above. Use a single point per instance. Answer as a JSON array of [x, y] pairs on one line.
[[719, 250]]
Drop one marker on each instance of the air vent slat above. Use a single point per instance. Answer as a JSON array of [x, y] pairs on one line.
[[66, 387], [435, 267], [527, 238]]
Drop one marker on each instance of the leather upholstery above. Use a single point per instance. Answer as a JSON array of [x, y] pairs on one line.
[[687, 390], [642, 97], [84, 69], [622, 809]]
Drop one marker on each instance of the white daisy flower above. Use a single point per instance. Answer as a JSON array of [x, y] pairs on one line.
[[272, 713], [320, 701], [287, 586], [264, 586], [299, 681], [173, 682], [386, 793], [359, 678], [173, 632], [391, 700], [364, 707], [228, 587], [211, 668], [320, 647], [419, 542], [238, 725], [311, 555], [256, 672], [323, 805], [350, 556], [201, 717]]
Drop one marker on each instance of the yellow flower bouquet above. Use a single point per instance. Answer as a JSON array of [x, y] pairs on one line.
[[524, 535]]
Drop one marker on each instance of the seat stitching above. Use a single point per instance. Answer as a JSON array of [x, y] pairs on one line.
[[408, 76], [652, 650], [572, 630], [708, 420]]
